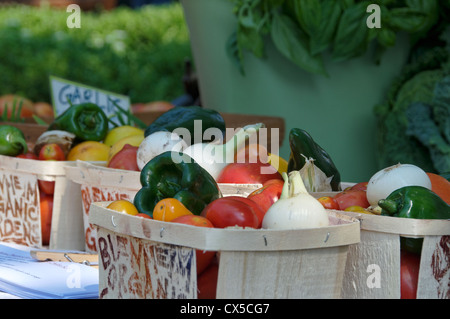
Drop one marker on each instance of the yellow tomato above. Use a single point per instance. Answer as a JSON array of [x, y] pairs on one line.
[[121, 132], [357, 209], [89, 151], [168, 209], [123, 206]]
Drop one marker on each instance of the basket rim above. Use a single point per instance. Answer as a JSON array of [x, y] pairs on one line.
[[405, 227], [346, 231]]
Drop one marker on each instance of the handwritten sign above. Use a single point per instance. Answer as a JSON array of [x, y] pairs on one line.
[[20, 220], [63, 91], [130, 267], [90, 194]]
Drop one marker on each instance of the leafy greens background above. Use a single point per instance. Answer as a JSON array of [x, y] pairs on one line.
[[139, 53]]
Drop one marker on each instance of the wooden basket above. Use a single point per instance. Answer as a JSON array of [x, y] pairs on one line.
[[143, 258], [373, 266], [100, 183], [19, 203]]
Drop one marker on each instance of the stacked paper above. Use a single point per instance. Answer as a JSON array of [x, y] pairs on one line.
[[23, 276]]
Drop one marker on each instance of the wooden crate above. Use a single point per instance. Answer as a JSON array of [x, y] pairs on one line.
[[373, 266], [143, 258], [100, 183], [19, 203]]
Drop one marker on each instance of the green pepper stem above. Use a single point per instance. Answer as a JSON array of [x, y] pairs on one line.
[[20, 144], [388, 205]]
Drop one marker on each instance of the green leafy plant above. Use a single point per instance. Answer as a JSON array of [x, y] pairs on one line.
[[139, 53], [414, 120], [125, 117], [304, 30]]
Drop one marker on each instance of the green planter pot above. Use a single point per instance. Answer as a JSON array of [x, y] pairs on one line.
[[336, 110]]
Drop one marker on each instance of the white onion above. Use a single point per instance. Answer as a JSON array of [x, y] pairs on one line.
[[296, 208], [157, 143], [384, 182], [214, 157]]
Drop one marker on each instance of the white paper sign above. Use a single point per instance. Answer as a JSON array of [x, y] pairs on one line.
[[63, 91]]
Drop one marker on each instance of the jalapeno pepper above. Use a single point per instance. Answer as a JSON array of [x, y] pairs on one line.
[[87, 121], [175, 175]]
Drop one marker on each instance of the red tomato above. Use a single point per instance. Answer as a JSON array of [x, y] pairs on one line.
[[248, 173], [409, 274], [47, 187], [225, 212], [267, 195], [351, 198], [193, 220], [51, 152], [204, 258], [207, 282], [43, 109], [46, 206], [360, 186], [125, 158], [28, 155], [256, 208], [328, 202]]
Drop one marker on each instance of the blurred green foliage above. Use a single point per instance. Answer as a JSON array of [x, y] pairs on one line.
[[139, 53]]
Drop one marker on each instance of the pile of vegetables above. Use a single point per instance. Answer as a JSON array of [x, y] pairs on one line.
[[80, 133], [402, 191], [180, 181], [305, 31]]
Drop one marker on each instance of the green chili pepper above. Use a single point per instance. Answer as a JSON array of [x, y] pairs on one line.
[[414, 202], [184, 117], [12, 141], [175, 175], [87, 121], [302, 145]]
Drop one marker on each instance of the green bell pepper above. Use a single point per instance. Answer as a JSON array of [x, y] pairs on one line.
[[87, 121], [184, 117], [12, 141], [302, 145], [175, 175], [414, 202]]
